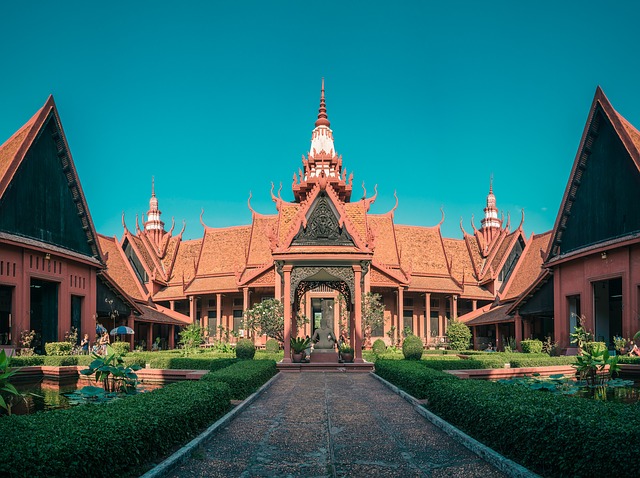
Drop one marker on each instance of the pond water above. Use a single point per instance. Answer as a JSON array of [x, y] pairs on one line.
[[51, 395]]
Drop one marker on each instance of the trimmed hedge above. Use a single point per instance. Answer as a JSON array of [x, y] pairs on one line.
[[58, 348], [244, 377], [412, 348], [565, 436], [272, 346], [51, 360], [172, 360], [110, 439], [120, 347], [245, 350], [533, 346], [379, 347]]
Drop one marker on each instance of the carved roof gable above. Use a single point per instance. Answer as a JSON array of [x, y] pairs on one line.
[[323, 226]]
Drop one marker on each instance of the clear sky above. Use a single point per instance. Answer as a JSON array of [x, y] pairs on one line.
[[216, 99]]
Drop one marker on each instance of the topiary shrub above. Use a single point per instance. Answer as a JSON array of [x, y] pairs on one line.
[[379, 347], [412, 348], [458, 335], [58, 348], [272, 346], [533, 346], [245, 349], [121, 348]]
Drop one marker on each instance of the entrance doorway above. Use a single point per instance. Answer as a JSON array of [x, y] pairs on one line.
[[44, 312], [322, 308], [607, 304], [5, 315]]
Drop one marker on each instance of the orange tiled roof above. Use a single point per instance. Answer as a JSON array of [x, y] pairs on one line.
[[324, 249], [118, 269], [385, 250], [458, 255], [356, 213], [472, 291], [421, 249], [170, 292], [144, 255], [221, 283], [260, 244], [188, 252], [162, 315], [529, 266], [286, 216], [9, 149], [224, 250], [168, 259], [474, 252], [435, 284], [487, 315]]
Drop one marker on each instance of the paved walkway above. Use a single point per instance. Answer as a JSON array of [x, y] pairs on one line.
[[332, 425]]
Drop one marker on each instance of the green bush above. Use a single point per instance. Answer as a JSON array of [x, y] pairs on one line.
[[112, 439], [379, 347], [458, 335], [272, 346], [51, 360], [174, 360], [244, 377], [595, 347], [559, 430], [121, 348], [532, 346], [245, 349], [412, 348], [58, 348]]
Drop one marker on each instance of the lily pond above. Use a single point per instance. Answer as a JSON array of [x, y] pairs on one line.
[[51, 395], [613, 390]]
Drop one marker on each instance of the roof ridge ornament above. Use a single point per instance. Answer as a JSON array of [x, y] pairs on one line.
[[322, 120]]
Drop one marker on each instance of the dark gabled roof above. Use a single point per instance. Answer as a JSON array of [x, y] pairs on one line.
[[15, 149], [630, 138]]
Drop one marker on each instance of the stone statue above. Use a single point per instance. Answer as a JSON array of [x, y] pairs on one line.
[[323, 338]]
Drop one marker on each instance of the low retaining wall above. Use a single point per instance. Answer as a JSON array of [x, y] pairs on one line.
[[72, 372], [500, 373]]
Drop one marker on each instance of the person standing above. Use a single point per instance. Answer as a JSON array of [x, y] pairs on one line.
[[84, 345]]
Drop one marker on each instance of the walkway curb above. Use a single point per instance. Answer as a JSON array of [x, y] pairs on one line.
[[183, 453], [505, 465]]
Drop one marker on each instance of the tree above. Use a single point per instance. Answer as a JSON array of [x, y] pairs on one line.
[[458, 335], [268, 317], [191, 337], [372, 315]]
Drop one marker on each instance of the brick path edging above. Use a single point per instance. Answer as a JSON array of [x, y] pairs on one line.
[[163, 468], [505, 465]]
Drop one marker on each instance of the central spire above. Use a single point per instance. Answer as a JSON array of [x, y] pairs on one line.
[[322, 120]]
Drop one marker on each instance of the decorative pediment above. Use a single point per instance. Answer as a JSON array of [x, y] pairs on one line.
[[322, 226]]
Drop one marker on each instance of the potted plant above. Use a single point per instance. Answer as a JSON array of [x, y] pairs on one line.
[[620, 344], [346, 352], [298, 346]]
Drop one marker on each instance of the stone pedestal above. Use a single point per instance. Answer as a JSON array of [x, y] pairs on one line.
[[324, 356]]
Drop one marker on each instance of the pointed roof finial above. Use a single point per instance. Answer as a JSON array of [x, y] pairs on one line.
[[322, 112], [153, 186], [491, 184]]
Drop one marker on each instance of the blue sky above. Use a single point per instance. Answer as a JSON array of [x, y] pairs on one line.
[[216, 99]]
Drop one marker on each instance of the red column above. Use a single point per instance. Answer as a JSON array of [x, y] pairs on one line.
[[400, 312], [474, 333], [287, 313], [497, 336], [131, 324], [218, 310], [245, 306], [357, 329], [454, 307], [192, 308], [474, 304], [518, 327], [427, 308], [172, 333], [526, 323], [149, 335]]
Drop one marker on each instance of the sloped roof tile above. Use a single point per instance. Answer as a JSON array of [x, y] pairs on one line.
[[421, 249], [224, 250], [529, 266], [118, 269], [458, 254], [385, 250], [188, 252], [260, 245]]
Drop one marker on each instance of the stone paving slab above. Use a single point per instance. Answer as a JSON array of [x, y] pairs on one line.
[[332, 425]]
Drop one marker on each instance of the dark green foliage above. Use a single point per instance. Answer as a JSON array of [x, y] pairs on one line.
[[264, 355], [459, 335], [245, 349], [542, 360], [565, 436], [595, 347], [410, 376], [272, 346], [58, 348], [110, 439], [173, 359], [412, 348], [244, 377], [51, 360], [621, 359], [533, 346], [379, 347], [121, 348]]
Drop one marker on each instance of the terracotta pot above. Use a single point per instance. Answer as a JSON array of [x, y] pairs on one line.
[[297, 358], [347, 358]]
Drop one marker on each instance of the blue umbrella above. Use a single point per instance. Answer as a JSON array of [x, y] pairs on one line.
[[100, 329], [122, 329]]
